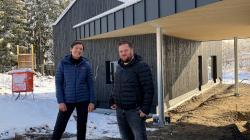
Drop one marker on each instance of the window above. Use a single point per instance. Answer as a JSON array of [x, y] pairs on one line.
[[212, 68], [110, 71]]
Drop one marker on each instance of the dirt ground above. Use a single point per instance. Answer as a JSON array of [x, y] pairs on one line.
[[215, 115]]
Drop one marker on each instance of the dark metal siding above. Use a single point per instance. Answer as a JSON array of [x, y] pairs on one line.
[[104, 25], [80, 11], [119, 19], [111, 22], [167, 7], [92, 28], [128, 16], [153, 13], [205, 2], [98, 26], [86, 29], [139, 12], [182, 5], [212, 48], [102, 50], [147, 10], [82, 31], [78, 33], [180, 55], [181, 64]]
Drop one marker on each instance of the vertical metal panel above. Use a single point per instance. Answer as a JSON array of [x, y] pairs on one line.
[[183, 5], [76, 33], [82, 32], [111, 22], [152, 9], [205, 2], [104, 24], [92, 28], [167, 7], [139, 12], [86, 28], [128, 16], [119, 19], [79, 33], [97, 26]]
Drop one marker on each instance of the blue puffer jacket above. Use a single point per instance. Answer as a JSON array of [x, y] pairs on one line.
[[74, 83]]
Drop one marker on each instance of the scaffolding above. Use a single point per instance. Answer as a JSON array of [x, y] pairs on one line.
[[25, 60]]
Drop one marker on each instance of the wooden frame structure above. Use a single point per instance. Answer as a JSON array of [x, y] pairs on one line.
[[26, 60]]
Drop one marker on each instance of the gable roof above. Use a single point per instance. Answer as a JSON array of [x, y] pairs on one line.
[[69, 6], [64, 12], [119, 7]]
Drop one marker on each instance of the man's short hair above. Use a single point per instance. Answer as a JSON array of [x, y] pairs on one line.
[[126, 42], [76, 43]]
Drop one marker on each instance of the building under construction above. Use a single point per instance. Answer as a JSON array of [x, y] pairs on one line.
[[179, 39]]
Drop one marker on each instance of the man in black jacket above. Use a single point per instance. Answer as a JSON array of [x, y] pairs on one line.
[[133, 93]]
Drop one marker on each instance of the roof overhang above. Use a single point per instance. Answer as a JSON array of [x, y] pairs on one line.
[[222, 20]]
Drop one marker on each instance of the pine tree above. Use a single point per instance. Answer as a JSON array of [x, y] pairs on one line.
[[13, 29], [42, 13], [26, 23]]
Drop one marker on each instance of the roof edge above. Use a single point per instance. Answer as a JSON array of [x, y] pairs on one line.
[[119, 7], [64, 12]]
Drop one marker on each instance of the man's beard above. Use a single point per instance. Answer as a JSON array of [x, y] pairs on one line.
[[128, 59]]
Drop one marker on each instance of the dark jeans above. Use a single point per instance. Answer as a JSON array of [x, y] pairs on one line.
[[63, 118], [131, 125]]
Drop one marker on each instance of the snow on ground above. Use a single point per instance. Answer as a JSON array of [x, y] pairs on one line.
[[16, 116], [19, 116], [5, 83], [228, 77]]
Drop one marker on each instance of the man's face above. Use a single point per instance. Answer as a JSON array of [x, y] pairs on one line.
[[77, 51], [125, 53]]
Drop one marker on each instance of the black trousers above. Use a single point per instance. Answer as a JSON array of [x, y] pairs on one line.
[[63, 118]]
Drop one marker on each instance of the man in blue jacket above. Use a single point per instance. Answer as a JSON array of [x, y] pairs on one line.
[[74, 89]]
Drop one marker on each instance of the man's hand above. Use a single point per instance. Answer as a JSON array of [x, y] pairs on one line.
[[91, 107], [114, 107], [142, 114], [62, 107]]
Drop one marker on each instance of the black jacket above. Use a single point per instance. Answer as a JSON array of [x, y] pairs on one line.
[[133, 85]]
